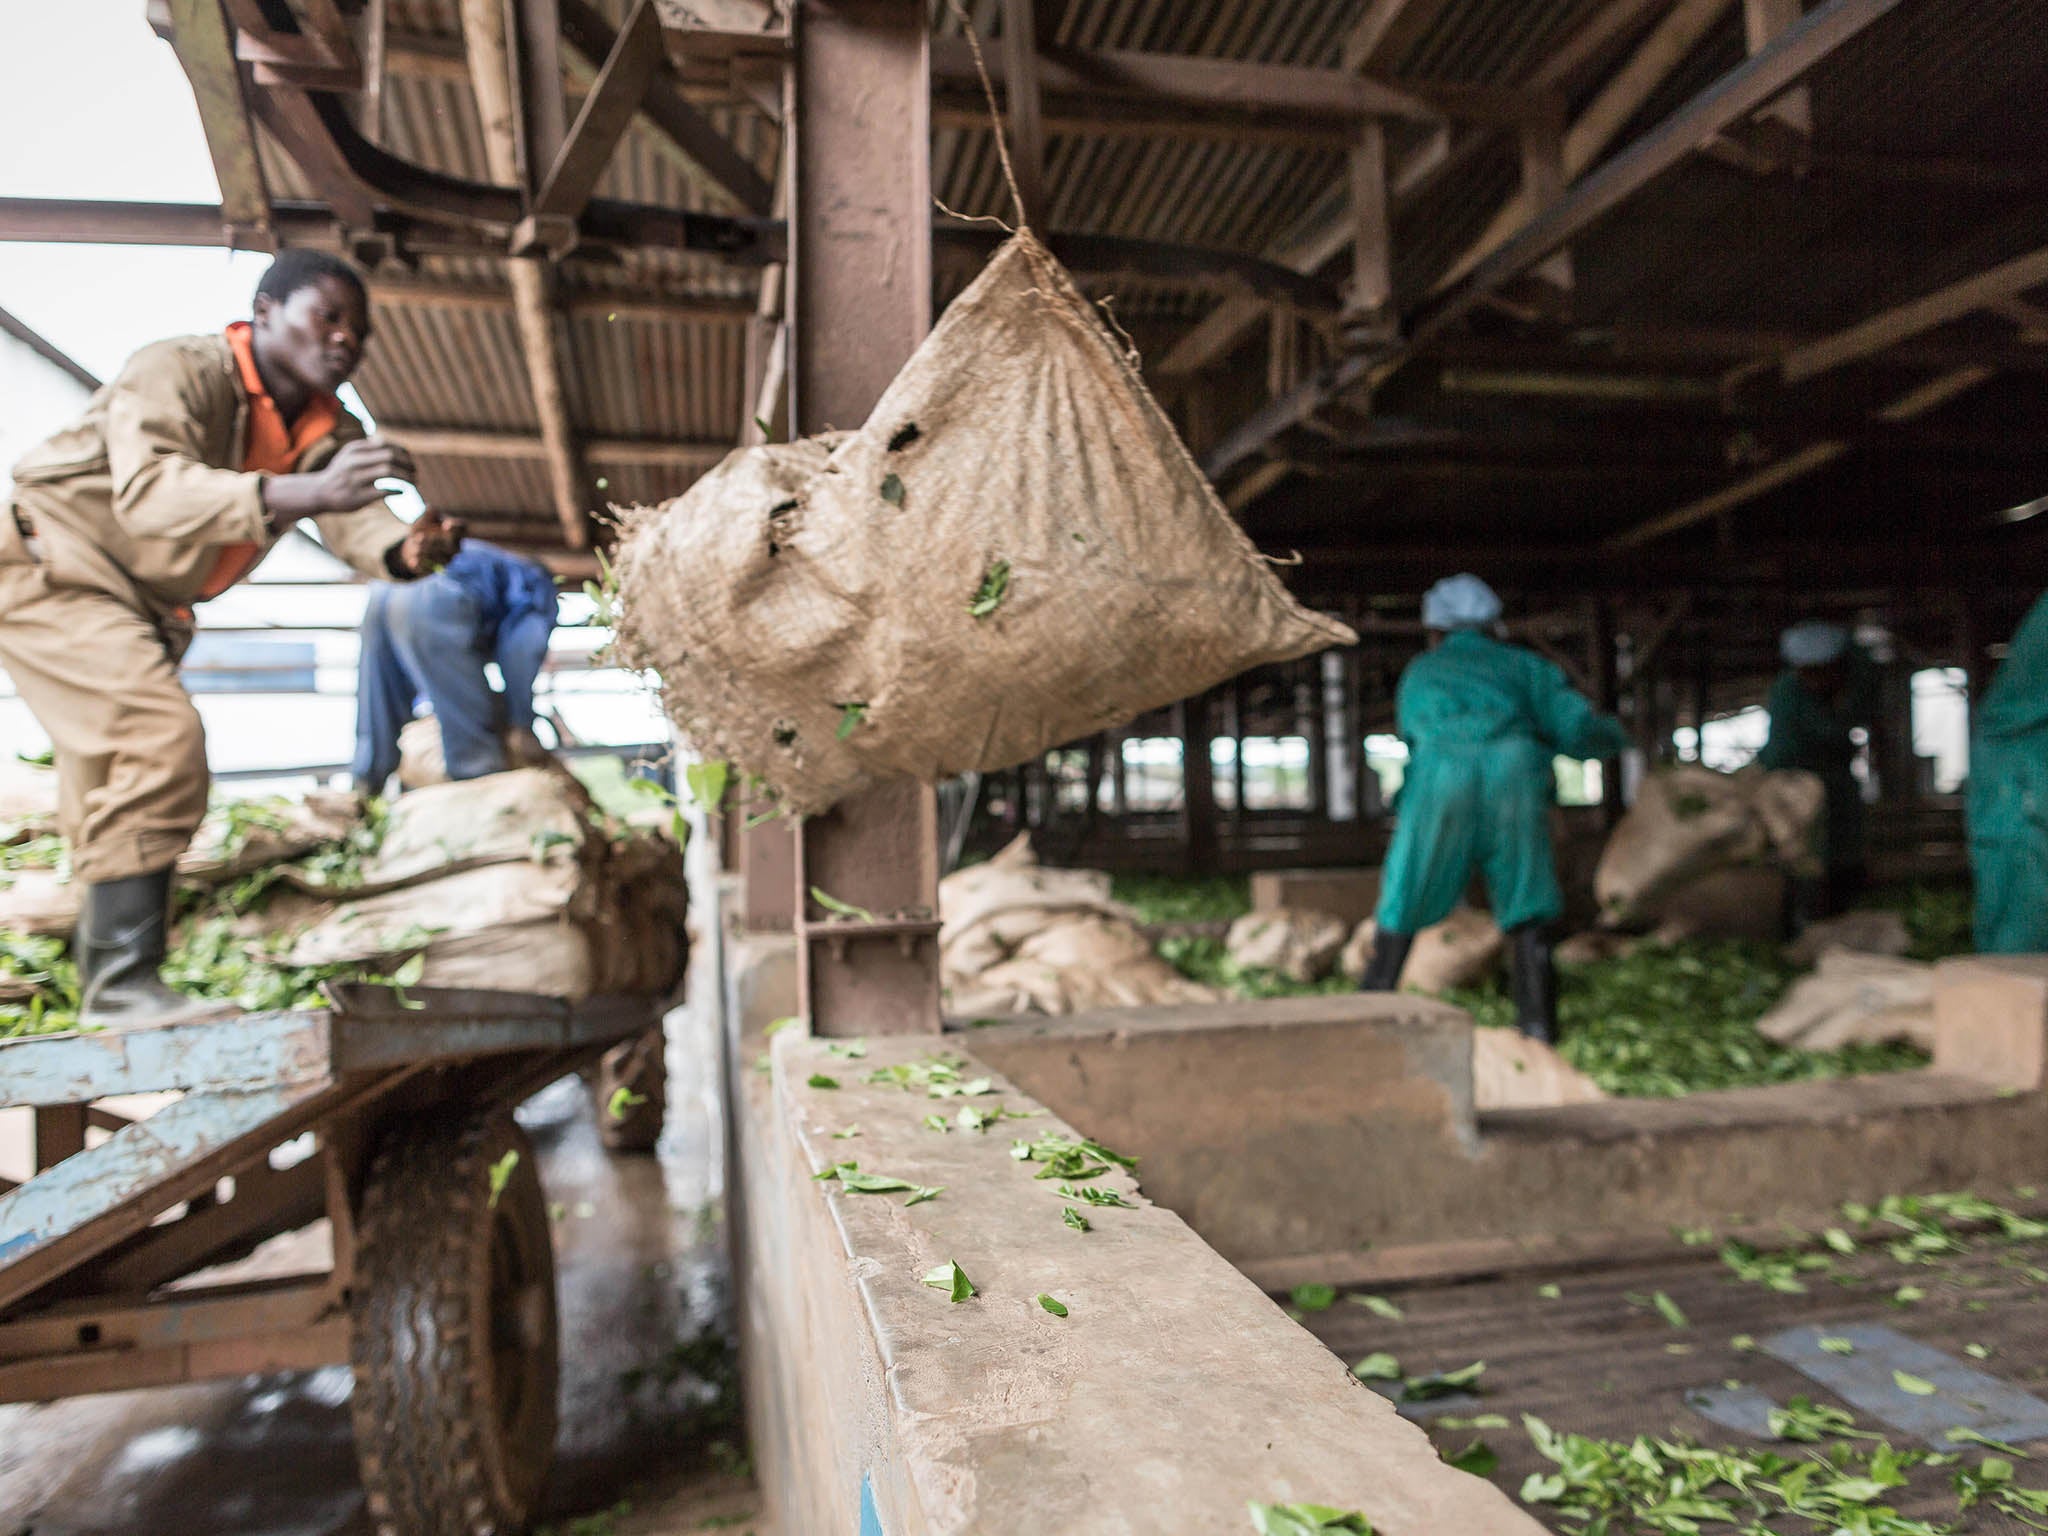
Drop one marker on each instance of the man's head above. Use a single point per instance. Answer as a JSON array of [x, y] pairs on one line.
[[1817, 651], [311, 321], [1460, 602]]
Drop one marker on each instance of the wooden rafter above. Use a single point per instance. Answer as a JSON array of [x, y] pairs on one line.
[[622, 81], [469, 443], [1886, 329], [1024, 107], [199, 35]]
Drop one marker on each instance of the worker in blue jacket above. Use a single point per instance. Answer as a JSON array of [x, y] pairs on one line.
[[2008, 796], [431, 639], [1483, 720]]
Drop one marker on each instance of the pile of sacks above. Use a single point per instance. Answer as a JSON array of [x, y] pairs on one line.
[[513, 882], [1305, 945], [508, 882], [1018, 938]]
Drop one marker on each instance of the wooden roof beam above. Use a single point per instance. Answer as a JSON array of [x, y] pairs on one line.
[[2007, 280], [673, 120], [628, 70], [1024, 107], [474, 443], [1728, 99]]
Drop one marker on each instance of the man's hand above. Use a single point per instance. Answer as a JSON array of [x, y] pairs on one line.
[[345, 482], [431, 544]]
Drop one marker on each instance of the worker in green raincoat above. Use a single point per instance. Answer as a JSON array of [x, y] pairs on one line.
[[2008, 796], [1827, 690], [1483, 720]]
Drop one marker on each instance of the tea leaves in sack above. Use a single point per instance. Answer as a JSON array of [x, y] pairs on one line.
[[1014, 551]]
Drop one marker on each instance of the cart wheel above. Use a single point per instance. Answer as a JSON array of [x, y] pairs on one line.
[[452, 1316], [636, 1066]]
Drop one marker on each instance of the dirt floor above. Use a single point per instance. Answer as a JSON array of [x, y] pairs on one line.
[[1598, 1357], [649, 1444]]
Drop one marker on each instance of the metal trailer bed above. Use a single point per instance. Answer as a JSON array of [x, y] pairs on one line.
[[387, 1113]]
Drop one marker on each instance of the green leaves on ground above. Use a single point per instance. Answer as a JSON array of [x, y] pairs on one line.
[[1838, 1346], [1670, 1311], [1076, 1220], [1065, 1157], [1478, 1458], [1916, 1386], [1089, 1194], [849, 1178], [501, 1176], [1377, 1366], [952, 1279], [1378, 1306], [995, 586], [938, 1076], [1422, 1389], [1550, 1292], [822, 1080], [1307, 1520], [1056, 1308], [1313, 1297]]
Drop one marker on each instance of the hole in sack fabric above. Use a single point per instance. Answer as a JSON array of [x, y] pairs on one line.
[[784, 734], [904, 436]]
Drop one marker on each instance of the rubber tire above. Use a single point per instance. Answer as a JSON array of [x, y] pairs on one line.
[[453, 1439]]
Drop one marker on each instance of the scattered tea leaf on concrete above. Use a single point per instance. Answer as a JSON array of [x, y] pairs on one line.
[[873, 1183], [1478, 1458], [1977, 1351], [1835, 1345], [1307, 1520], [822, 1080], [1377, 1366], [780, 1025], [1917, 1386], [501, 1175], [1670, 1311], [846, 1133], [847, 1050], [1420, 1389], [1089, 1194], [952, 1279], [923, 1193], [1056, 1308], [1379, 1306], [1076, 1220], [1550, 1292]]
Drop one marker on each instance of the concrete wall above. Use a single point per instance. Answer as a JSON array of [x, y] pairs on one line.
[[1173, 1392]]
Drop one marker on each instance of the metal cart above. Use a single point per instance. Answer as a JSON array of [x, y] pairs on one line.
[[387, 1113]]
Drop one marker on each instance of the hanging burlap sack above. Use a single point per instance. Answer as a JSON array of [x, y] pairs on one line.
[[1014, 551]]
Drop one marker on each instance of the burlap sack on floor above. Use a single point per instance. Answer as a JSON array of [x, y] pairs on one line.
[[216, 855], [1855, 998], [1461, 951], [39, 901], [1689, 821], [1300, 944], [28, 799], [1868, 931], [1014, 551], [1511, 1071]]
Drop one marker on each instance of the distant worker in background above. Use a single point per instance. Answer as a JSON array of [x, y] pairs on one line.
[[2007, 800], [431, 639], [180, 477], [1827, 690], [1483, 720]]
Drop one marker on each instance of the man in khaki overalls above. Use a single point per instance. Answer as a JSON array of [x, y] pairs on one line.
[[183, 473]]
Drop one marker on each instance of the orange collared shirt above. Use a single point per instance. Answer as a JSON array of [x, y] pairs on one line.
[[271, 447]]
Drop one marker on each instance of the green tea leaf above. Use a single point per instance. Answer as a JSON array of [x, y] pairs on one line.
[[1307, 1520], [1669, 1310], [873, 1183], [821, 1080], [1838, 1346], [1379, 1306], [1918, 1386], [1057, 1309], [706, 783], [1418, 1389], [501, 1175], [995, 586], [622, 1100], [841, 908], [1378, 1366], [846, 1133], [1478, 1458], [952, 1279], [1977, 1351], [781, 1024], [892, 489], [851, 716], [1075, 1219], [1314, 1297], [924, 1192], [1550, 1292]]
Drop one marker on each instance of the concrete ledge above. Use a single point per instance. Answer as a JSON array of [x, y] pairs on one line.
[[1287, 1126], [1173, 1392], [1350, 894], [1991, 1018]]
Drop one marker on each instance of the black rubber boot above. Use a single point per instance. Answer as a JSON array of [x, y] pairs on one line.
[[119, 950], [1535, 983], [1389, 954]]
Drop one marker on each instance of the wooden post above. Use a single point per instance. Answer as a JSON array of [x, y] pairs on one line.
[[1198, 793], [1368, 308], [860, 285]]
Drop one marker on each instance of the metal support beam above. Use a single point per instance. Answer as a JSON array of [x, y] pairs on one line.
[[629, 68], [860, 302]]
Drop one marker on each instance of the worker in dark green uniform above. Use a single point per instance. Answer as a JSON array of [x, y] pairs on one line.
[[1827, 690], [2008, 796], [1483, 720]]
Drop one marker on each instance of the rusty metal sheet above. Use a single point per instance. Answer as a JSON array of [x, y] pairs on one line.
[[100, 1182], [257, 1050], [471, 1024]]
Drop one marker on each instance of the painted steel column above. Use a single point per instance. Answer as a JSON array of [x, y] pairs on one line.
[[860, 302]]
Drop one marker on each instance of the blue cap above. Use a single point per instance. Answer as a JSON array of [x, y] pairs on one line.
[[1813, 643], [1460, 602]]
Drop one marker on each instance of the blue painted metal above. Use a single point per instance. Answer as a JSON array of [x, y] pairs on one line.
[[1964, 1397], [870, 1519], [1746, 1410], [100, 1183], [257, 1050]]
